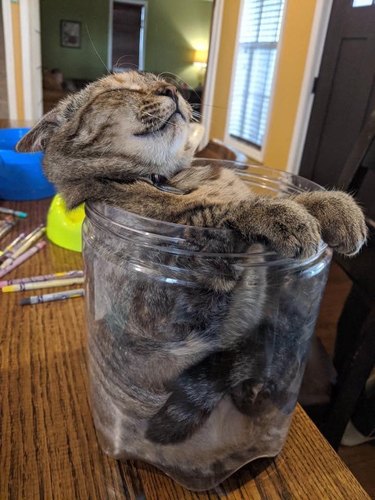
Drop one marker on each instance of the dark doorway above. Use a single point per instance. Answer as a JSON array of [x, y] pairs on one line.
[[344, 94], [127, 35]]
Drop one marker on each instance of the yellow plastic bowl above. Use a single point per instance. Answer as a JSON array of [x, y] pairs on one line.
[[64, 227]]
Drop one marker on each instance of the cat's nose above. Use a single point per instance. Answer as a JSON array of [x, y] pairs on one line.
[[169, 91]]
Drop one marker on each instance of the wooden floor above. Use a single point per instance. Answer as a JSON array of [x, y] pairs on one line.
[[360, 459]]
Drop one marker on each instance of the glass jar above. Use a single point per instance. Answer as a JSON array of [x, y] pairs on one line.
[[196, 354]]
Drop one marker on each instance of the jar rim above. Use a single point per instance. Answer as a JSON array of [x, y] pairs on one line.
[[120, 218]]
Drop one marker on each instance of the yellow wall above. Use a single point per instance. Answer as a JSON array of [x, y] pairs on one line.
[[293, 51], [17, 59]]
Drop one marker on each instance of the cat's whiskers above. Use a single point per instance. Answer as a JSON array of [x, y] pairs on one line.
[[207, 105], [178, 80], [95, 50], [160, 119], [129, 65]]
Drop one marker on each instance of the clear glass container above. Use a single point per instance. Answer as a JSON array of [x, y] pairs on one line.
[[196, 351]]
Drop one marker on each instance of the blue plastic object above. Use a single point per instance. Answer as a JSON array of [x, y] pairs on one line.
[[21, 174]]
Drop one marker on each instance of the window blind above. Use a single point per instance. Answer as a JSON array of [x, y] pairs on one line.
[[254, 69]]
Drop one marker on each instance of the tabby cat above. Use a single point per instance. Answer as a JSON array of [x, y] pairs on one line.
[[124, 141]]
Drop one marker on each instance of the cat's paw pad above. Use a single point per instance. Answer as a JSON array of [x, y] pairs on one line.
[[342, 221], [291, 230]]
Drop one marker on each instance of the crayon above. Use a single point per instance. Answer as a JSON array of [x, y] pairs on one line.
[[6, 225], [27, 242], [43, 284], [42, 277], [12, 245], [29, 253], [10, 211], [52, 297]]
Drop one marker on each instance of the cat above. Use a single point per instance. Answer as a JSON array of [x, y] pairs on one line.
[[102, 142], [123, 141]]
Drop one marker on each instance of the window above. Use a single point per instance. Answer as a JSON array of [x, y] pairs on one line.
[[362, 3], [254, 70]]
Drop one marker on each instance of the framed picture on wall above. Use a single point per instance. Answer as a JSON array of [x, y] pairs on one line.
[[70, 34]]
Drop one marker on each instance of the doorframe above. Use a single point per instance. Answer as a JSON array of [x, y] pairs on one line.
[[142, 40], [9, 60], [210, 80], [312, 68], [29, 10], [31, 53]]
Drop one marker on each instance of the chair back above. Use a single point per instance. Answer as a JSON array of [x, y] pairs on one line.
[[360, 160]]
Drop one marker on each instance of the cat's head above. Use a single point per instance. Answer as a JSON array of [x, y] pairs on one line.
[[123, 126]]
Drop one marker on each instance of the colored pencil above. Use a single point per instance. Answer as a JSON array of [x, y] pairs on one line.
[[52, 297], [27, 242], [6, 225], [29, 253], [43, 284], [42, 277], [12, 245], [10, 211]]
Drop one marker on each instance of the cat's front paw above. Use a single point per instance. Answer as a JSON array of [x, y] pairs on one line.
[[342, 221], [288, 228]]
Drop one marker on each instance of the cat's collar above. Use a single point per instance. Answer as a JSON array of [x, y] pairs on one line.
[[156, 180], [161, 183]]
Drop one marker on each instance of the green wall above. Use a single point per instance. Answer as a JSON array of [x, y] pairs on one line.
[[81, 63], [174, 28]]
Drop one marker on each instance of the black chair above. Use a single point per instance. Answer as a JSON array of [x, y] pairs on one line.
[[354, 354], [355, 342]]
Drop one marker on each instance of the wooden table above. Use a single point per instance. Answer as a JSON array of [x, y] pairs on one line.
[[48, 444]]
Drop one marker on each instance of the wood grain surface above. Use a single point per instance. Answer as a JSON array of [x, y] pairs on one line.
[[49, 448]]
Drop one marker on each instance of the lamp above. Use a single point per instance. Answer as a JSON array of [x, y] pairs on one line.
[[200, 61], [200, 58]]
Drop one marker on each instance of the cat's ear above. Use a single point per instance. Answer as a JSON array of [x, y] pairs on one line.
[[38, 137]]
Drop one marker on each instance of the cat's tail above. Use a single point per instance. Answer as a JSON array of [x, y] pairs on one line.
[[194, 395]]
